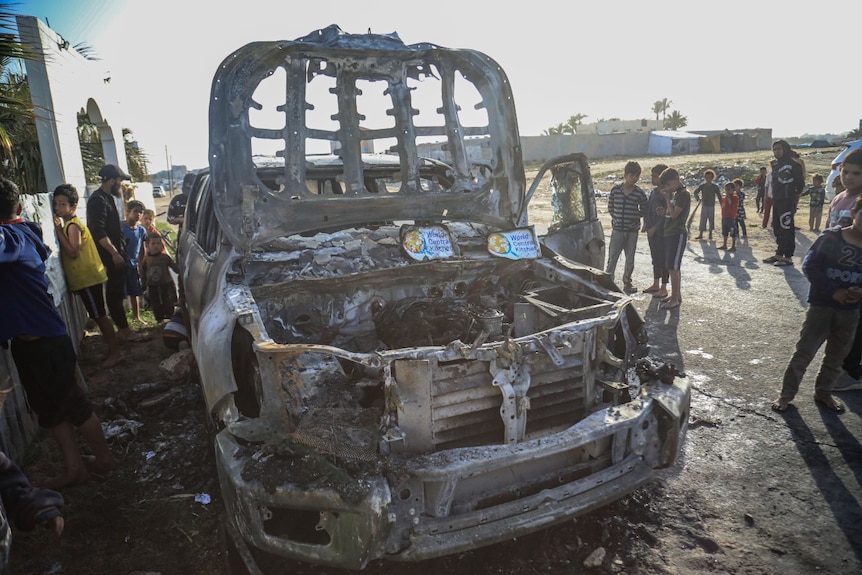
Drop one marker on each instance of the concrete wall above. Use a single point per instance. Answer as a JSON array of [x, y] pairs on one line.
[[537, 149], [541, 148], [619, 126]]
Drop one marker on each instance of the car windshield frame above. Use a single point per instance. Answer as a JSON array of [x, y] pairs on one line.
[[252, 212]]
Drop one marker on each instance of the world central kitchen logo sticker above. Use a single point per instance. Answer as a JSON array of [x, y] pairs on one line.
[[517, 244], [427, 243]]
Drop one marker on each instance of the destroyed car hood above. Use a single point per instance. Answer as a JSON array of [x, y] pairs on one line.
[[252, 212]]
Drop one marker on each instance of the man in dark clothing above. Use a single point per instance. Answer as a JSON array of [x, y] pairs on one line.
[[103, 219], [788, 180], [177, 207]]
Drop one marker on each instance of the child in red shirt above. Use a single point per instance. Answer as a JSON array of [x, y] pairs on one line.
[[729, 211]]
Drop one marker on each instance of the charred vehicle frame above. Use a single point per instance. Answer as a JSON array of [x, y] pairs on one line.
[[397, 364]]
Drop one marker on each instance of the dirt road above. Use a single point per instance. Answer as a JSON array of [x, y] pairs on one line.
[[755, 493]]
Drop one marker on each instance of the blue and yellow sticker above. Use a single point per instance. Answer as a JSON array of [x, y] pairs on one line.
[[517, 244], [423, 243]]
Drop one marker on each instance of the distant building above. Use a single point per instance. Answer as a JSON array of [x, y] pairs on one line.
[[673, 142], [616, 126]]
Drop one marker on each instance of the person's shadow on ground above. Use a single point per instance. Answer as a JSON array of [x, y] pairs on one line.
[[662, 325], [845, 508]]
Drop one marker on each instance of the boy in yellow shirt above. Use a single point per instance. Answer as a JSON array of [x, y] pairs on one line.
[[84, 270]]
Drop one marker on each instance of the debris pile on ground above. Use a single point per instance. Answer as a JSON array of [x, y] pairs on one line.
[[328, 255], [180, 367]]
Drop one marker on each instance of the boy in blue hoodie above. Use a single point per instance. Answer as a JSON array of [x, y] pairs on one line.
[[41, 347]]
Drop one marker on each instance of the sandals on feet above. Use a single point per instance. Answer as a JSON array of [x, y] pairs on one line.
[[783, 263], [770, 260]]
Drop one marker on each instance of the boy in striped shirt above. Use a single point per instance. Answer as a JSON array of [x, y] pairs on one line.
[[626, 205]]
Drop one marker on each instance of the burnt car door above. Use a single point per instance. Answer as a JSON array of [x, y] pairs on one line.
[[564, 185]]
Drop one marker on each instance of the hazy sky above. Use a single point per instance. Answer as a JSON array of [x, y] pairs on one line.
[[730, 64]]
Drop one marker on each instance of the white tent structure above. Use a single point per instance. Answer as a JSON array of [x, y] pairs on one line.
[[672, 142]]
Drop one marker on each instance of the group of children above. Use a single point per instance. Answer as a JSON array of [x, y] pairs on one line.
[[664, 211], [732, 206], [149, 264], [42, 350], [147, 269], [833, 264]]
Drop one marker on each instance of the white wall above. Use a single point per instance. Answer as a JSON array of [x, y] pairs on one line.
[[62, 82]]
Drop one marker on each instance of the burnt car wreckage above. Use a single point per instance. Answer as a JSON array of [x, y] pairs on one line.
[[395, 365]]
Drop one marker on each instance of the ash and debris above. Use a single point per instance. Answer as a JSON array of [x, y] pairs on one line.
[[332, 448], [324, 255], [421, 321], [166, 457]]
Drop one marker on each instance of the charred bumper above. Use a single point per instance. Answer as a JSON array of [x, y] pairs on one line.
[[460, 499]]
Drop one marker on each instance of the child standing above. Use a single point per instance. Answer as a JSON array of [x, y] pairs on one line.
[[626, 205], [708, 194], [740, 215], [833, 265], [729, 211], [654, 227], [155, 272], [675, 235], [816, 198], [760, 182], [135, 235], [38, 334], [148, 220], [84, 270]]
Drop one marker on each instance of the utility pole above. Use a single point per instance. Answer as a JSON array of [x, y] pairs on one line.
[[170, 172]]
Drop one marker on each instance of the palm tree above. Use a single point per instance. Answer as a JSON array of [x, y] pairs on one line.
[[20, 153], [90, 141], [567, 127], [675, 121], [661, 107], [18, 141], [136, 158], [573, 122], [555, 130]]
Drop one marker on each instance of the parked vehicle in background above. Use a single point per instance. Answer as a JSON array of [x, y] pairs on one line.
[[395, 365], [158, 192], [836, 165]]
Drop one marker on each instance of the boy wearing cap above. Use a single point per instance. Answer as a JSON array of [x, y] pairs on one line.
[[103, 219]]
